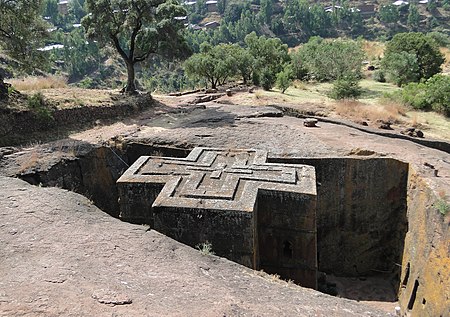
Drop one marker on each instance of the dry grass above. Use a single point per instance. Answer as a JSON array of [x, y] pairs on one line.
[[38, 83], [29, 162], [372, 49], [446, 65], [358, 111]]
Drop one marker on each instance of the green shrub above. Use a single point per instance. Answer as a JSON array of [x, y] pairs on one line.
[[36, 101], [284, 79], [37, 104], [267, 78], [440, 38], [438, 93], [414, 95], [442, 206], [205, 248], [434, 94], [345, 89], [379, 76]]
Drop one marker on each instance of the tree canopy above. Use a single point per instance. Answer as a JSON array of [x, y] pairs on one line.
[[326, 60], [22, 30], [419, 47], [21, 33], [136, 28], [214, 64]]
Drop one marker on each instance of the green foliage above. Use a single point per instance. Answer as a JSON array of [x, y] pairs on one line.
[[434, 94], [330, 60], [51, 10], [440, 38], [267, 78], [284, 78], [214, 64], [76, 9], [299, 70], [379, 76], [410, 47], [244, 62], [388, 14], [234, 10], [266, 10], [205, 248], [345, 88], [136, 28], [401, 67], [270, 54], [22, 31], [442, 206], [413, 17], [80, 55], [438, 93], [415, 95], [38, 105]]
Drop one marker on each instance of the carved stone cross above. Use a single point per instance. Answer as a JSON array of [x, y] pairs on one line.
[[256, 213]]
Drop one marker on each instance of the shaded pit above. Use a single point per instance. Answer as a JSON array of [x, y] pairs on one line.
[[361, 211]]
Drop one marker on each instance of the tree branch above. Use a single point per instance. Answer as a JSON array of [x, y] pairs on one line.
[[122, 53], [5, 34]]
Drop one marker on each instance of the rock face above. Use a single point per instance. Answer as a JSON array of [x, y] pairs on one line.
[[386, 173], [425, 287], [258, 214], [361, 214], [62, 256]]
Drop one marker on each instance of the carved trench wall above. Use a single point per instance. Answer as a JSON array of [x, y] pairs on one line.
[[396, 194]]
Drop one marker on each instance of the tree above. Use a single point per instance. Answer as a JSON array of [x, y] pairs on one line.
[[413, 17], [284, 78], [438, 93], [270, 55], [244, 62], [214, 64], [51, 10], [425, 50], [136, 28], [266, 10], [76, 9], [22, 31], [388, 14], [81, 56], [345, 88], [401, 67], [331, 59]]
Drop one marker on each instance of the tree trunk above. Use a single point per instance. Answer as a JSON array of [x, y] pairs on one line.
[[3, 89], [131, 85]]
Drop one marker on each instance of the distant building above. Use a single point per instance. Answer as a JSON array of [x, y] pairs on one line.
[[51, 47], [63, 7], [183, 18], [212, 25], [400, 3], [366, 9], [211, 6]]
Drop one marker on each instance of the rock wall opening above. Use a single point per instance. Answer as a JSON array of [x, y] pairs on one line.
[[361, 211]]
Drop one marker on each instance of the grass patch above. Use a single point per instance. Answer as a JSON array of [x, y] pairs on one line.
[[442, 206], [38, 83], [205, 248]]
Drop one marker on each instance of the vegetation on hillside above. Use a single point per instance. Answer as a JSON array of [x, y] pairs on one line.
[[97, 42], [136, 29], [21, 34]]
